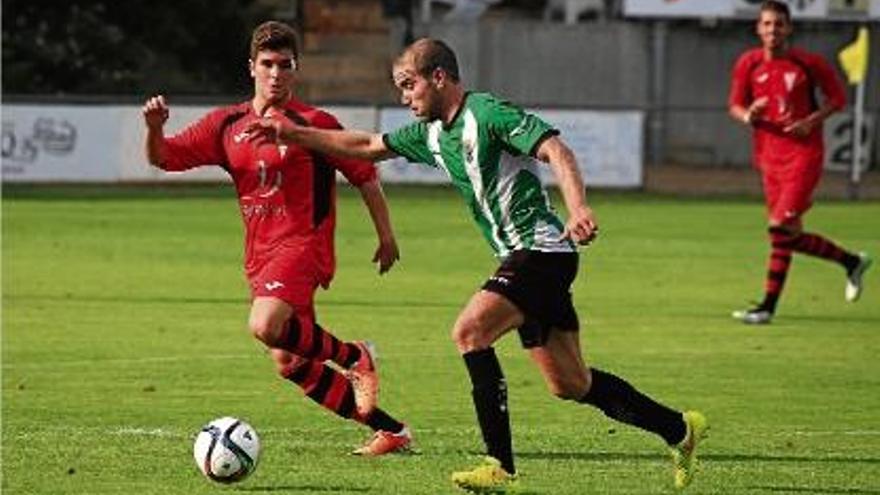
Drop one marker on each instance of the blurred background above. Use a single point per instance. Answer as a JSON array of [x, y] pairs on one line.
[[641, 85]]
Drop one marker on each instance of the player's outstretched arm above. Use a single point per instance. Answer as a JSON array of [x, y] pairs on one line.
[[581, 226], [387, 252], [155, 112], [275, 126]]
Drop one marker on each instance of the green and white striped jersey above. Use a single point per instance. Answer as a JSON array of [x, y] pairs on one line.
[[487, 152]]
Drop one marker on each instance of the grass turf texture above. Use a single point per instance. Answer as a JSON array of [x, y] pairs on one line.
[[124, 315]]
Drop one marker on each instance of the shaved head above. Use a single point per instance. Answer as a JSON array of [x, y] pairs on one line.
[[426, 55]]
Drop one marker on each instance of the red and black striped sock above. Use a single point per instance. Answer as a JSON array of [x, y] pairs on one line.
[[305, 337], [323, 384], [333, 391], [822, 247], [777, 271]]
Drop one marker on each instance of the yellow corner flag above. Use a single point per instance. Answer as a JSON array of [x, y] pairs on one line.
[[854, 57]]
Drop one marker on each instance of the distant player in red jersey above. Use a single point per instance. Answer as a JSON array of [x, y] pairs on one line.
[[287, 198], [773, 91]]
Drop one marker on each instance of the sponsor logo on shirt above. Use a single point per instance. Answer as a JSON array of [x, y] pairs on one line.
[[519, 129], [273, 285], [241, 136]]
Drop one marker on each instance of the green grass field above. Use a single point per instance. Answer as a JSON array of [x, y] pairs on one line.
[[124, 316]]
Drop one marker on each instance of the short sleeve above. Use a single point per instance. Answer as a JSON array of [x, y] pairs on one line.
[[411, 142], [829, 82], [519, 130], [355, 171], [200, 143], [740, 91]]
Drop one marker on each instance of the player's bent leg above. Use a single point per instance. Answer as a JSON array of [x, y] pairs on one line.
[[620, 401], [781, 233], [294, 329], [486, 317], [562, 365], [332, 390]]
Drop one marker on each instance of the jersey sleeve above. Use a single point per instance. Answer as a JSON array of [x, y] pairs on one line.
[[516, 128], [355, 171], [411, 142], [740, 90], [200, 143], [826, 77]]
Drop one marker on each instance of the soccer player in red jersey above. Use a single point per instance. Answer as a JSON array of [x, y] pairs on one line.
[[773, 92], [286, 194]]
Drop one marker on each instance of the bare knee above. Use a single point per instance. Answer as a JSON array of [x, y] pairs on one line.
[[469, 335], [265, 329]]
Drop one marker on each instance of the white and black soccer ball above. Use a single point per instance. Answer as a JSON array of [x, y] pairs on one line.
[[226, 450]]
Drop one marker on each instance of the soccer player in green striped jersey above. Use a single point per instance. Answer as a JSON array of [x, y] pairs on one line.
[[492, 150]]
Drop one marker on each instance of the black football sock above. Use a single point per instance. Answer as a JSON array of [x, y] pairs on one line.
[[380, 420], [619, 400], [490, 401]]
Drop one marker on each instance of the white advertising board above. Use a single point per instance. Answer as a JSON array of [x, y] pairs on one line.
[[818, 10], [608, 146], [52, 143]]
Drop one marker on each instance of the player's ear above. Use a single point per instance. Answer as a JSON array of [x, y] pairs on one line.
[[251, 67], [438, 77]]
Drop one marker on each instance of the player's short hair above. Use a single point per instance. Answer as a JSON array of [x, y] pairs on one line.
[[274, 35], [778, 7], [428, 54]]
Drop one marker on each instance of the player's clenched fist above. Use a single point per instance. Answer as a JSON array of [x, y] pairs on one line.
[[582, 227], [155, 111]]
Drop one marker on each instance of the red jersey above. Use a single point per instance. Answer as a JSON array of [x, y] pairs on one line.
[[789, 83], [287, 194]]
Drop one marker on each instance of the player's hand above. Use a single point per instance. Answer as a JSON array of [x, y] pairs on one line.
[[155, 112], [386, 255], [800, 128], [581, 226], [272, 127], [759, 105], [755, 110]]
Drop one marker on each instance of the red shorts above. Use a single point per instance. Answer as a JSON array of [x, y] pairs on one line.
[[291, 274], [789, 185]]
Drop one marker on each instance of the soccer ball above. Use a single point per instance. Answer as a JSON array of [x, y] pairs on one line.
[[226, 450]]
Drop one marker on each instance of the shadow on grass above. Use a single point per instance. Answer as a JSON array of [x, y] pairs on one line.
[[623, 456]]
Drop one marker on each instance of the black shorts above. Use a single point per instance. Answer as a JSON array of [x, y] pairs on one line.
[[539, 284]]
